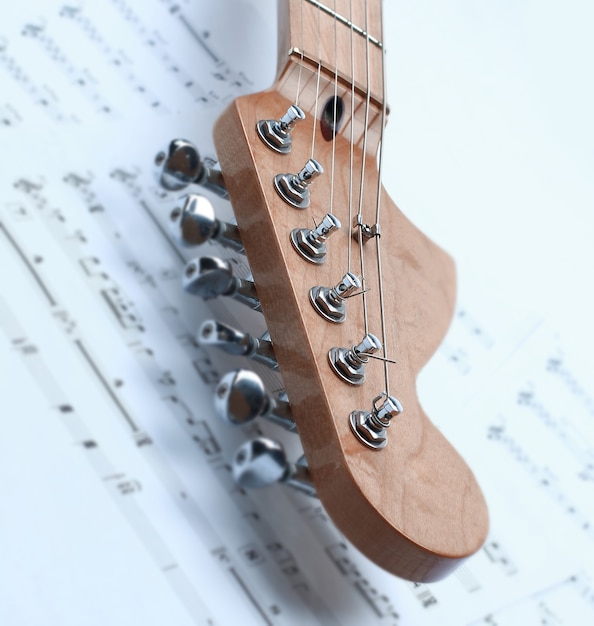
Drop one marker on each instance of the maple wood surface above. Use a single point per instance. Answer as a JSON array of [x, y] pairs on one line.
[[413, 507], [303, 28]]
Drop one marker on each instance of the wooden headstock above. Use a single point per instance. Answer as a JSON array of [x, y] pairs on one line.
[[413, 507]]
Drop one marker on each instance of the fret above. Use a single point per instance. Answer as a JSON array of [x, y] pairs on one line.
[[287, 85], [343, 20], [329, 37]]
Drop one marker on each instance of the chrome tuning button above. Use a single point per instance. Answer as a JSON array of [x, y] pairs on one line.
[[181, 165], [195, 223], [310, 243], [293, 188], [262, 462], [349, 365], [240, 398], [276, 134], [330, 302], [370, 426], [209, 277], [237, 343]]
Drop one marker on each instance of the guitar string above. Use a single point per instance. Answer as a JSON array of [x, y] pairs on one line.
[[377, 211], [363, 164], [334, 129], [351, 143], [301, 52], [319, 72]]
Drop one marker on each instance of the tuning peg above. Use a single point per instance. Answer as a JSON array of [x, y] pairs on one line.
[[195, 223], [329, 302], [349, 364], [293, 188], [233, 341], [180, 165], [262, 462], [311, 243], [240, 398], [209, 277], [276, 133], [370, 426]]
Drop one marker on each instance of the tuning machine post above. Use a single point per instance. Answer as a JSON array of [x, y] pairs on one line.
[[370, 426], [195, 223], [294, 188], [209, 277], [180, 165], [240, 397], [237, 343], [310, 243], [349, 364], [261, 462], [330, 302], [276, 134]]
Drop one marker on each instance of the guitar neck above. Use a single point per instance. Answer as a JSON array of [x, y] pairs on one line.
[[411, 504], [341, 39]]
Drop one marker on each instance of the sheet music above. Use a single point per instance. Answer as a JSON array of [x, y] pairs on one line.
[[118, 505]]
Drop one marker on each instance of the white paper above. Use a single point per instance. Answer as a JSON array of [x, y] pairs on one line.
[[118, 505]]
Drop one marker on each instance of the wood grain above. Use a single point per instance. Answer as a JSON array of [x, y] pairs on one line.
[[332, 44], [413, 507]]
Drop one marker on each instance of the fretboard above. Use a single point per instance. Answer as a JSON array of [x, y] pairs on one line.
[[340, 37]]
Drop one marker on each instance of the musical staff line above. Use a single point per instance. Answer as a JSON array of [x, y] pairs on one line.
[[23, 257], [250, 596], [95, 368]]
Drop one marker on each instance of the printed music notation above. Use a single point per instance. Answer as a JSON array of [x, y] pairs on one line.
[[84, 60], [114, 395]]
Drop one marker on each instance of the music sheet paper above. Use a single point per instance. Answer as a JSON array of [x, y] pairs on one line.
[[118, 506]]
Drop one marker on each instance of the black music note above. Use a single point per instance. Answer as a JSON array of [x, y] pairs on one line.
[[206, 369], [525, 397], [18, 212], [499, 556], [142, 439], [24, 346], [252, 554], [205, 439], [424, 595], [221, 555], [166, 379], [457, 357], [67, 323], [123, 308], [475, 329], [125, 486], [140, 349], [9, 116], [118, 60]]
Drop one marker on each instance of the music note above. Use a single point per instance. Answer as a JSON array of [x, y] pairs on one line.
[[556, 365], [458, 357], [119, 60], [18, 211], [206, 368], [252, 555], [122, 308], [67, 323], [22, 345], [80, 78], [499, 556], [9, 116], [142, 439], [204, 437], [475, 328], [424, 595]]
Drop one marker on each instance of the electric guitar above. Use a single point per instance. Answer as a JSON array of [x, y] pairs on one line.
[[356, 299]]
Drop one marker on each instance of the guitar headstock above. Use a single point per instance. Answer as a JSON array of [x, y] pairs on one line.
[[356, 300]]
